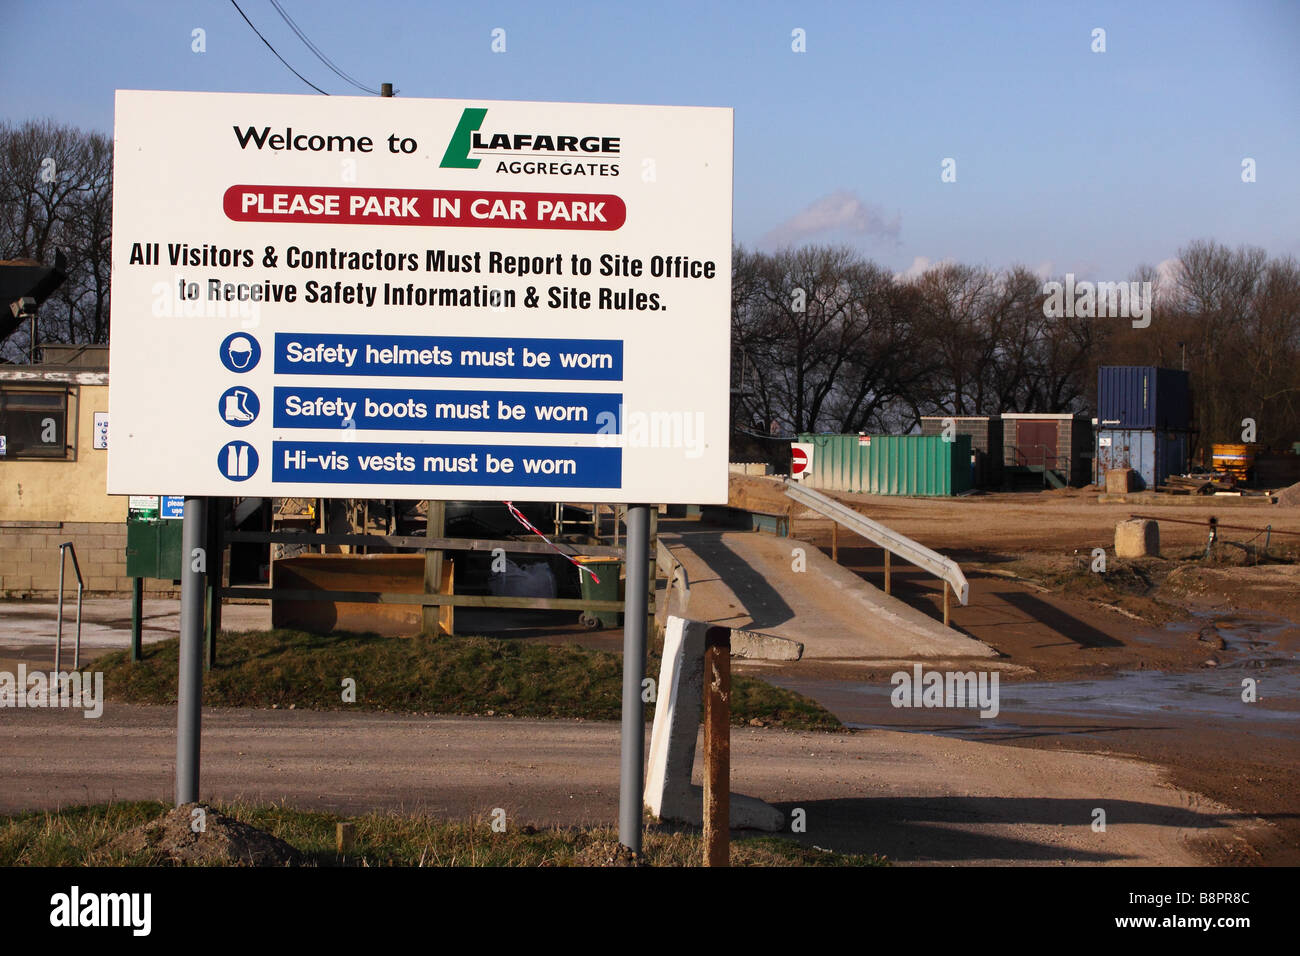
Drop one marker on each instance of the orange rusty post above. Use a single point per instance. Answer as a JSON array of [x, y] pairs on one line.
[[945, 603], [717, 747], [887, 556], [835, 541]]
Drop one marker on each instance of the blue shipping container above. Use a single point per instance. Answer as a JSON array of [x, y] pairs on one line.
[[1143, 396], [1154, 455]]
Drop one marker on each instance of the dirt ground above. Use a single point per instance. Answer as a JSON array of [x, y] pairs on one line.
[[1055, 623], [1028, 557], [1035, 598], [1055, 521], [917, 799]]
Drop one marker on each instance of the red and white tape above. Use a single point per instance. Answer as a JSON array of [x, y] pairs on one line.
[[519, 516]]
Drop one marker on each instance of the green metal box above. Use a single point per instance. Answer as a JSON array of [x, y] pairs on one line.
[[153, 549], [890, 464]]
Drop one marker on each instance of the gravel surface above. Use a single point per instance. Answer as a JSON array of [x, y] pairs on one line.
[[915, 798]]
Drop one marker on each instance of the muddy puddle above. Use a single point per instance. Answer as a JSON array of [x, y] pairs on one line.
[[1246, 649]]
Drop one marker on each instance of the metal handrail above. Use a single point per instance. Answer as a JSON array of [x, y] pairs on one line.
[[64, 548], [1055, 460], [918, 554], [1010, 459]]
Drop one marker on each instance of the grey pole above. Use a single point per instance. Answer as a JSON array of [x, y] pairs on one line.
[[58, 640], [631, 779], [189, 681]]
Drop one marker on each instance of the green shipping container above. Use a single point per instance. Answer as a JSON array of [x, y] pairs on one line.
[[890, 464]]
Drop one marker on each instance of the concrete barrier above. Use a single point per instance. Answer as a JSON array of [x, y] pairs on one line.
[[1137, 538], [764, 647], [1120, 481], [672, 570], [669, 793]]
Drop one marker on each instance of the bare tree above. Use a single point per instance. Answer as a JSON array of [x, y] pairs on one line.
[[958, 309], [56, 189], [887, 360], [793, 326]]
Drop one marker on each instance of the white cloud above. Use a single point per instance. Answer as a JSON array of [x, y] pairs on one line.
[[840, 211], [1169, 270], [920, 265], [917, 268]]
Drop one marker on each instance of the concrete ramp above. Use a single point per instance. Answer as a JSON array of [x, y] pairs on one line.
[[789, 588]]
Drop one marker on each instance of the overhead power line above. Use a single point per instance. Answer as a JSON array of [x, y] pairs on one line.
[[277, 55], [319, 55]]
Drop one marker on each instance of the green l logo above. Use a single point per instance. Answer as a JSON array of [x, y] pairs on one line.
[[457, 155]]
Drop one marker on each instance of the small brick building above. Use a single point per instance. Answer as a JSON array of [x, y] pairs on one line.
[[985, 442], [1054, 447], [52, 479]]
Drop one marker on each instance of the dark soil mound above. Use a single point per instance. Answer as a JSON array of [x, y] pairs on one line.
[[605, 853], [197, 835]]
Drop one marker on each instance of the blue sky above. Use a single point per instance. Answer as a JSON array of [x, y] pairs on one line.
[[1066, 159]]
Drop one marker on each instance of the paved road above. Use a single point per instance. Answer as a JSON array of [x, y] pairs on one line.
[[915, 798]]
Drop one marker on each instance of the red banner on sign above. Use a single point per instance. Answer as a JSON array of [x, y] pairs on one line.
[[425, 207]]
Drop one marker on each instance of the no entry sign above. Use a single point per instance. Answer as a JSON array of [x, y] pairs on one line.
[[347, 297], [800, 459]]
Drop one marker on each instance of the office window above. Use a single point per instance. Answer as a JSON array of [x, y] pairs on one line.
[[34, 423]]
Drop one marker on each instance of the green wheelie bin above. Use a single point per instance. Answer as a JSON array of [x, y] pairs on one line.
[[608, 570]]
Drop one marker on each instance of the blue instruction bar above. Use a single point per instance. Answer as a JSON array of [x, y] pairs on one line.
[[448, 356], [401, 409], [414, 463]]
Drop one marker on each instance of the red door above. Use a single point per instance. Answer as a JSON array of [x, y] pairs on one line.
[[1036, 442]]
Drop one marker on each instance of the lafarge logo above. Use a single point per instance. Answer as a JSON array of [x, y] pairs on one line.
[[457, 155], [547, 153]]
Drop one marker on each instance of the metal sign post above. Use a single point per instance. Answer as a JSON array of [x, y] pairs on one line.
[[189, 678], [631, 778]]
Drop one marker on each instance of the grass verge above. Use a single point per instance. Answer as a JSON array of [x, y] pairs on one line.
[[83, 836], [443, 675]]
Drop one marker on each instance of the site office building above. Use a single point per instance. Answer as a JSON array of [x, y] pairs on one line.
[[52, 475], [1053, 445]]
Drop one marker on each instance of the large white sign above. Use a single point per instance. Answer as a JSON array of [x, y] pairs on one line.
[[347, 297]]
